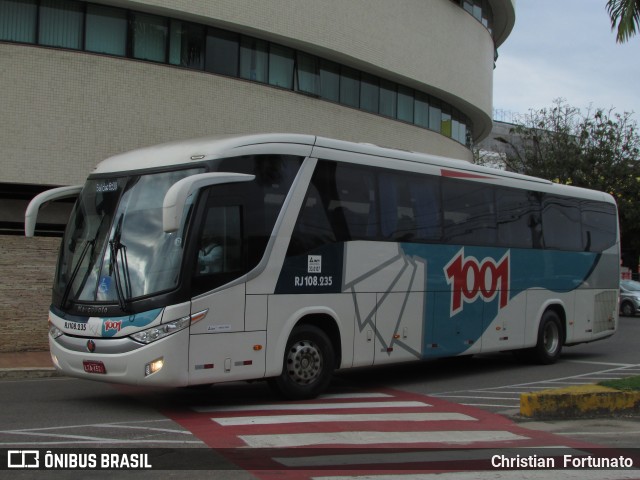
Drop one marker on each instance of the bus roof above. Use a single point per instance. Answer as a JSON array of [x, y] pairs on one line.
[[185, 152]]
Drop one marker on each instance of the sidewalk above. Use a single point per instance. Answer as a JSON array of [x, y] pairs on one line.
[[26, 365]]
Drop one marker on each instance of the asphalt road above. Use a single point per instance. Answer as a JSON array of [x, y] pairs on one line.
[[64, 412]]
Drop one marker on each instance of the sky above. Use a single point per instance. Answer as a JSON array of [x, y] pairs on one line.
[[565, 49]]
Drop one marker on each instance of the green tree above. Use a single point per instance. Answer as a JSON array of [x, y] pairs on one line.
[[626, 15], [599, 150]]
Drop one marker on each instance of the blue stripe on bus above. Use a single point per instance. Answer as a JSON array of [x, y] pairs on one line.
[[480, 295]]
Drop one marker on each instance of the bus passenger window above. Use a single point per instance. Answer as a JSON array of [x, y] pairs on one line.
[[469, 213], [409, 207], [519, 223], [599, 225], [561, 223]]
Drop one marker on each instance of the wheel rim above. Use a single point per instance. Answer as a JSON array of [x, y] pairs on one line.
[[304, 362], [551, 339]]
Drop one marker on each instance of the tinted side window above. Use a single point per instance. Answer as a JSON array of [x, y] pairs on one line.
[[238, 218], [561, 223], [340, 206], [519, 218], [599, 225], [409, 207], [469, 212]]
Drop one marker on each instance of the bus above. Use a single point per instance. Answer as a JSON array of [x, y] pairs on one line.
[[286, 257]]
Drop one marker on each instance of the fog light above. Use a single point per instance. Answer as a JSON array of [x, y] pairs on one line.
[[153, 367]]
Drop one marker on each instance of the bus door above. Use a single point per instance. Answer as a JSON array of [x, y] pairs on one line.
[[220, 347]]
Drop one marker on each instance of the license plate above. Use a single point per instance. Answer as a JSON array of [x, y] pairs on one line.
[[92, 366]]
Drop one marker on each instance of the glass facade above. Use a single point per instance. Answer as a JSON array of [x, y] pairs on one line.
[[78, 25], [106, 30], [480, 10], [61, 23]]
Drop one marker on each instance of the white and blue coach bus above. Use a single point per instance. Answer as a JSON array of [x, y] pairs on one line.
[[286, 257]]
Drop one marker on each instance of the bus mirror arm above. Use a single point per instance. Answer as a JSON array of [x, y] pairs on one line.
[[31, 215], [176, 197]]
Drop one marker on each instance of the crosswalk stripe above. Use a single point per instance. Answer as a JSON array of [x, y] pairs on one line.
[[335, 396], [375, 417], [371, 437], [310, 406], [492, 475], [399, 458]]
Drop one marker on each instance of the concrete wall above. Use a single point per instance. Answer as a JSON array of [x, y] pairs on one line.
[[28, 266]]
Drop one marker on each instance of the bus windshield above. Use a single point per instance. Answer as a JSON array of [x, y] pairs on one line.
[[114, 247]]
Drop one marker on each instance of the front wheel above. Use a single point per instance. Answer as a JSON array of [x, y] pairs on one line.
[[307, 366]]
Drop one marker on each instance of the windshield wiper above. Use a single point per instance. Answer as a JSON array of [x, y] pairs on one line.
[[123, 284], [74, 274]]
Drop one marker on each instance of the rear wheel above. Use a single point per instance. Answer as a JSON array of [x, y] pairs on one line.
[[308, 364], [550, 338], [549, 343]]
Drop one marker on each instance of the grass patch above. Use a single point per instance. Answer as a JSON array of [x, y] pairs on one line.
[[629, 384]]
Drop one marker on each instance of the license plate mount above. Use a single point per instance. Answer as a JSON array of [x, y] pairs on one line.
[[94, 366]]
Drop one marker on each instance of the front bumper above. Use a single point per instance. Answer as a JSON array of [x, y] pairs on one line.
[[124, 360]]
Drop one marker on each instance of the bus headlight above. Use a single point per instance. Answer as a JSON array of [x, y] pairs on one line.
[[160, 331], [54, 331]]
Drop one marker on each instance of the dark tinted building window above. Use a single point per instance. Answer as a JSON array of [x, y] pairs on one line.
[[308, 76], [18, 20], [330, 80], [369, 93], [281, 66], [350, 87], [106, 30], [405, 104], [421, 111], [61, 23], [254, 59], [223, 49], [150, 34], [186, 45], [388, 99]]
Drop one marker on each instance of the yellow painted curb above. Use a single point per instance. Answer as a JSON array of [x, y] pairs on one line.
[[578, 401]]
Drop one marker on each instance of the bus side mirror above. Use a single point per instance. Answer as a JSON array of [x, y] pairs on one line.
[[31, 215], [176, 197]]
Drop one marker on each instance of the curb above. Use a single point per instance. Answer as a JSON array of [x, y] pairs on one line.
[[28, 372], [587, 400]]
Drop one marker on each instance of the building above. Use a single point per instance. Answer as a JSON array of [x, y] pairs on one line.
[[82, 81]]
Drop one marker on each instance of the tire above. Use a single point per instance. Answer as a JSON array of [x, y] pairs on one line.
[[549, 343], [550, 339], [307, 366], [627, 309]]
